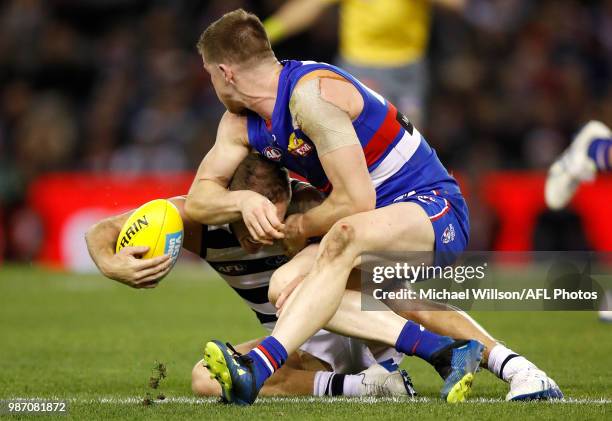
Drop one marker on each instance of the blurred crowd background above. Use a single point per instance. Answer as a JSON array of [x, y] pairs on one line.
[[117, 85]]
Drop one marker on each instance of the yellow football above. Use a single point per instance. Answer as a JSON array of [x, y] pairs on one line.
[[156, 224]]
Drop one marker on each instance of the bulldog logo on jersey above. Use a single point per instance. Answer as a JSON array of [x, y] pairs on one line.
[[272, 153], [299, 147]]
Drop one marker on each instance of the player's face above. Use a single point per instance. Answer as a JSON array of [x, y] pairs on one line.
[[225, 90]]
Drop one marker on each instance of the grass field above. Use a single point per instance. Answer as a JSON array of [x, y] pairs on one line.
[[93, 342]]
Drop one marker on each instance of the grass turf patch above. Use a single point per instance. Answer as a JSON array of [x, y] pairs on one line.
[[92, 341]]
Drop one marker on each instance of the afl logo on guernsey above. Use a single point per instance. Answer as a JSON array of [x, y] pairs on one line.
[[233, 268], [272, 153], [298, 147]]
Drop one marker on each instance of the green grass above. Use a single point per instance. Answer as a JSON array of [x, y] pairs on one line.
[[92, 341]]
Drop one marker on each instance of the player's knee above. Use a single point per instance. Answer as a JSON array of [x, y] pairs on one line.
[[275, 287], [337, 241], [202, 384], [279, 280]]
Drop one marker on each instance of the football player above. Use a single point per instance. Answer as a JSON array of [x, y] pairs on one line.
[[324, 364], [345, 139], [327, 364], [589, 154]]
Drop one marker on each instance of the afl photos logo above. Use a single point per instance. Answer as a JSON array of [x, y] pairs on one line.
[[272, 153]]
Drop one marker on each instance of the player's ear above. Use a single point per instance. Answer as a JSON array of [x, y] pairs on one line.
[[228, 75]]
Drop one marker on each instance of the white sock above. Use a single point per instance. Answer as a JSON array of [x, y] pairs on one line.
[[351, 385], [328, 383], [505, 363], [321, 382]]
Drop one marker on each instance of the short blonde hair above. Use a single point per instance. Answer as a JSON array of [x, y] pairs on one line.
[[237, 37]]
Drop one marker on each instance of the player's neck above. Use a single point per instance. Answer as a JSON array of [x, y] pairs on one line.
[[260, 94]]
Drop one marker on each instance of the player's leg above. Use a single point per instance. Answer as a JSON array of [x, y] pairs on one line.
[[506, 364], [292, 271], [589, 153], [306, 375], [292, 378], [398, 227], [448, 321], [525, 379], [348, 320], [356, 370], [201, 382], [296, 380], [401, 227], [436, 317], [291, 381], [605, 314], [527, 382], [439, 318]]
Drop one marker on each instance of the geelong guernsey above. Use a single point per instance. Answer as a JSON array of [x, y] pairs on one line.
[[247, 274]]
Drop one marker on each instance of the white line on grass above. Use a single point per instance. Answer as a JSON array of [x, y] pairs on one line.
[[190, 400]]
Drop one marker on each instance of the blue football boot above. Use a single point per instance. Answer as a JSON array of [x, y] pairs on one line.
[[233, 371], [457, 363]]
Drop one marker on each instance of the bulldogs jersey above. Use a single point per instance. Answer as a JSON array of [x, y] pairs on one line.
[[399, 159]]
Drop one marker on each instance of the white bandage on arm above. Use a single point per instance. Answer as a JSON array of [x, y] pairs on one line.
[[324, 123]]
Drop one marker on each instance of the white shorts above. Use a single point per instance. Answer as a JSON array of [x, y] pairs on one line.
[[347, 355]]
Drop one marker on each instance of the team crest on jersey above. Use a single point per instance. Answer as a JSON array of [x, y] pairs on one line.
[[298, 147], [449, 234], [272, 153], [428, 200]]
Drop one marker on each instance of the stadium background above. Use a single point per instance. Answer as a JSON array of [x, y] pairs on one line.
[[98, 87], [104, 105]]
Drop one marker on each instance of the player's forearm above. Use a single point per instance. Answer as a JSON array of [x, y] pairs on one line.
[[209, 203], [294, 17], [101, 239]]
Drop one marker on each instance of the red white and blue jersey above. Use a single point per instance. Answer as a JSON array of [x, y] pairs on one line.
[[400, 161]]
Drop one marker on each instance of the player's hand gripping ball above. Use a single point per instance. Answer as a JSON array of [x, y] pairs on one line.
[[157, 225]]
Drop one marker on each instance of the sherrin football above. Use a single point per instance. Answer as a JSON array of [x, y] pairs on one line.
[[156, 224]]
